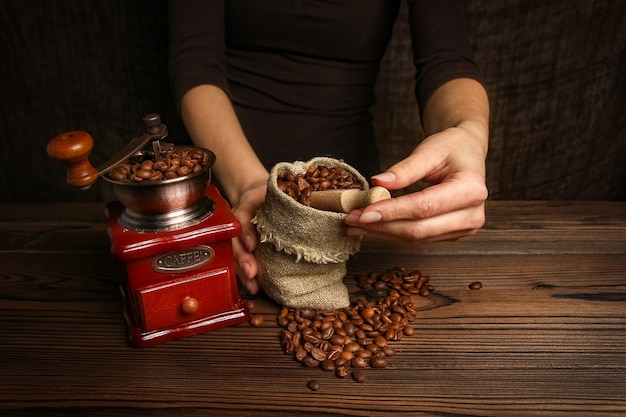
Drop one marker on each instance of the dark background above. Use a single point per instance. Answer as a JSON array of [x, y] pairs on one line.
[[555, 72]]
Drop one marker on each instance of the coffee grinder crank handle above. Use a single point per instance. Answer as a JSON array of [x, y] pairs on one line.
[[72, 149]]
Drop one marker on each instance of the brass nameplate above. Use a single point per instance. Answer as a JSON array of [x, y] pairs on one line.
[[183, 260]]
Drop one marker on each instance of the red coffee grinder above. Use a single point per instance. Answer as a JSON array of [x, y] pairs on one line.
[[173, 235]]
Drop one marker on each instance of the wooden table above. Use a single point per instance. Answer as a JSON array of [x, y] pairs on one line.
[[546, 335]]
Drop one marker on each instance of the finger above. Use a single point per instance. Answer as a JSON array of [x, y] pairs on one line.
[[452, 195], [244, 213], [248, 230], [451, 237], [417, 166], [443, 227], [447, 237], [249, 236], [246, 266]]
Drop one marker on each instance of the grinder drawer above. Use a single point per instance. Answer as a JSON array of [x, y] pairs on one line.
[[184, 300]]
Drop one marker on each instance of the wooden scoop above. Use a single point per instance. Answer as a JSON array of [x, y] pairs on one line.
[[344, 201]]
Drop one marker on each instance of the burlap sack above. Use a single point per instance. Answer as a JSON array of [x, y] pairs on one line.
[[303, 251]]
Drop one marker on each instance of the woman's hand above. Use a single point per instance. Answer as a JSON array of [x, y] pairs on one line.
[[211, 122], [453, 207], [245, 245], [452, 159]]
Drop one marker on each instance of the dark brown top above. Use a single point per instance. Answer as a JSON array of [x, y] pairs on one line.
[[301, 73]]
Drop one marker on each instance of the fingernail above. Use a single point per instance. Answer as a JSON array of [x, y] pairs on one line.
[[248, 243], [370, 217], [385, 177], [247, 269]]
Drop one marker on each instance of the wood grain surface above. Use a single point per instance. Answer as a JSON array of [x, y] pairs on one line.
[[545, 336]]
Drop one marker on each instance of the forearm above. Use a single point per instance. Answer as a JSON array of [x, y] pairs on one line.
[[211, 122], [459, 103]]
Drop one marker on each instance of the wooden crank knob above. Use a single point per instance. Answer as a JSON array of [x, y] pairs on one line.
[[344, 201], [189, 306], [72, 149]]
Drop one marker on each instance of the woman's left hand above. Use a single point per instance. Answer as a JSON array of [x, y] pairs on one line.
[[453, 161]]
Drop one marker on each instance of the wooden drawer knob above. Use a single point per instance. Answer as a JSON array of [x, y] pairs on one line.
[[189, 306]]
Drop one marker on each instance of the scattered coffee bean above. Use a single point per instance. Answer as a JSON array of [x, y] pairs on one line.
[[342, 371], [328, 365], [358, 336], [358, 375], [388, 351], [378, 362], [397, 279], [358, 362], [476, 285], [314, 385], [256, 320], [408, 330]]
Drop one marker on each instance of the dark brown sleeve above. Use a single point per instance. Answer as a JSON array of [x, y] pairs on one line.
[[441, 47], [196, 45]]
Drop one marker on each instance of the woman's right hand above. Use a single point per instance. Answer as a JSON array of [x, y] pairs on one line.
[[212, 123], [245, 245]]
